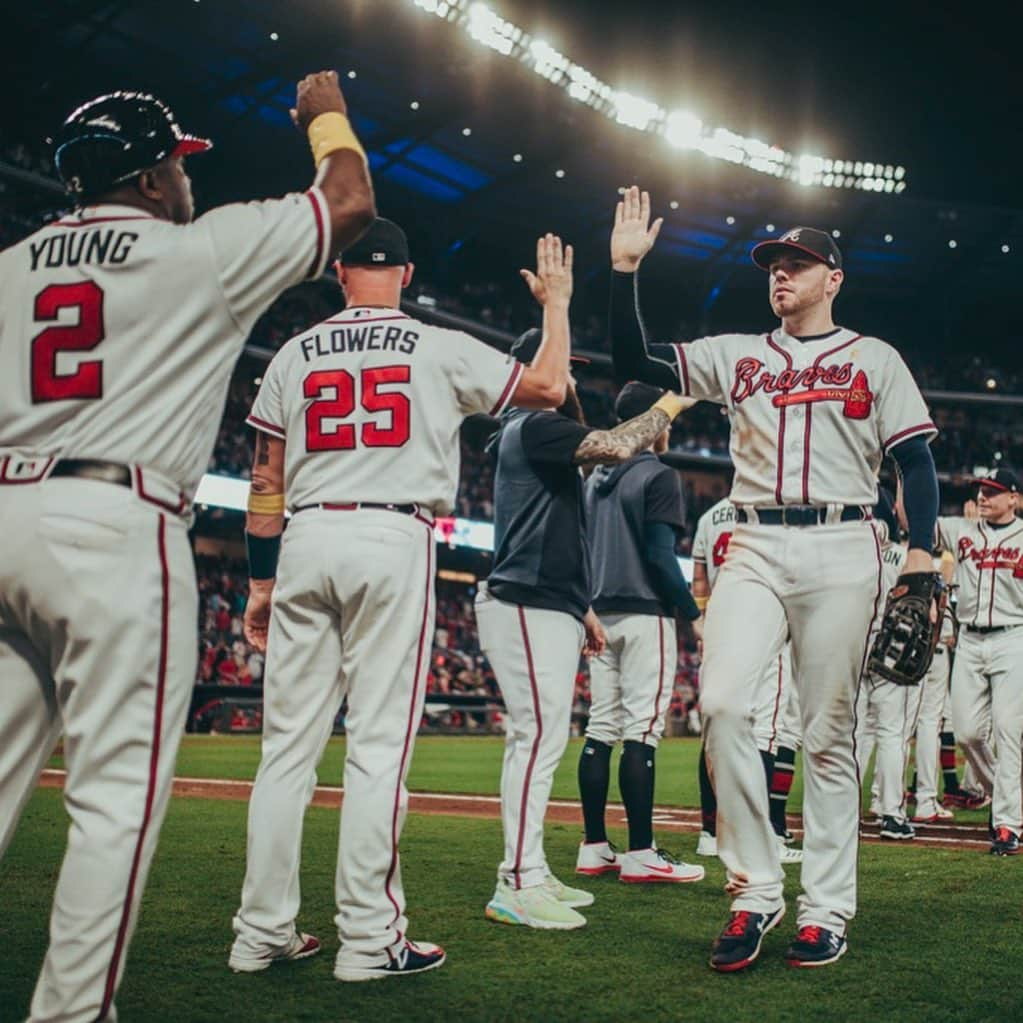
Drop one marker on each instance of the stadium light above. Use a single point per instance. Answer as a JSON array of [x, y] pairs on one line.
[[680, 129]]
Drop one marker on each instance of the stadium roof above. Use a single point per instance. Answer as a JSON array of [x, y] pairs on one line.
[[467, 144]]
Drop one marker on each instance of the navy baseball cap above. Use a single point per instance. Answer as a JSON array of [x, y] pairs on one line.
[[806, 240], [1000, 479], [383, 244], [527, 344], [634, 399]]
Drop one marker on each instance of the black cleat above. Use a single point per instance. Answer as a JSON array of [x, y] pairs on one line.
[[739, 943], [893, 828], [815, 946]]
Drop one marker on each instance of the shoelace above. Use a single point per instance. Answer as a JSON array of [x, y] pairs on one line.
[[810, 935], [668, 858], [737, 925]]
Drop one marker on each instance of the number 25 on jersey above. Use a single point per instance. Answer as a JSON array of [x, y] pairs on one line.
[[334, 394]]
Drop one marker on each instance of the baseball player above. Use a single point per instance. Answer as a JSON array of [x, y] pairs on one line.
[[634, 513], [358, 421], [119, 327], [813, 409], [710, 548], [883, 708], [790, 739], [534, 614], [987, 678]]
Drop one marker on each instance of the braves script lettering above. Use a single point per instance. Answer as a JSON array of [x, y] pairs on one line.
[[991, 557], [838, 382]]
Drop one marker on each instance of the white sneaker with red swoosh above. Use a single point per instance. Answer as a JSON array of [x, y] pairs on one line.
[[597, 858], [646, 866]]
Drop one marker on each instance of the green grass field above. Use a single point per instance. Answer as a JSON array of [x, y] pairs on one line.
[[466, 764], [937, 937]]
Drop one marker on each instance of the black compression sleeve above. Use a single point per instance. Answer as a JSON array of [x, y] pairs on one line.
[[632, 357], [919, 490], [659, 540]]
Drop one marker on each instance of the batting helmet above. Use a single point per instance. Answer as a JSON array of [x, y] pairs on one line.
[[116, 136]]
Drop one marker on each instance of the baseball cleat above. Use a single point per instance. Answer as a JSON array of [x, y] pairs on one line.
[[414, 957], [788, 854], [596, 858], [707, 845], [301, 946], [896, 830], [815, 946], [739, 943], [652, 866], [966, 800], [532, 907], [1005, 843], [933, 814], [577, 898]]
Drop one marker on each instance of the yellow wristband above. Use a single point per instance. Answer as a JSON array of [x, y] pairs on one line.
[[266, 504], [670, 404], [330, 132], [701, 603]]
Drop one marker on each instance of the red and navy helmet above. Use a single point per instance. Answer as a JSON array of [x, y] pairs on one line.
[[116, 136]]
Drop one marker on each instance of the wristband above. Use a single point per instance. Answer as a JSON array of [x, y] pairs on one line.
[[701, 603], [263, 552], [670, 404], [329, 132], [266, 504]]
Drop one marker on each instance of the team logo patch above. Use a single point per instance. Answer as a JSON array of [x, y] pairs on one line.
[[378, 257], [791, 236]]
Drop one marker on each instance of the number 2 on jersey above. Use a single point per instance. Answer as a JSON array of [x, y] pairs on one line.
[[86, 381], [341, 405]]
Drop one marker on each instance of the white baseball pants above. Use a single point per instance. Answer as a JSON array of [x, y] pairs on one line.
[[987, 684], [353, 615], [535, 655], [632, 681], [933, 697], [882, 711], [822, 586], [771, 702], [98, 605], [790, 727]]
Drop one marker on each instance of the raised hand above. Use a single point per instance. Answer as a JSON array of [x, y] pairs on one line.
[[552, 282], [633, 235], [318, 93]]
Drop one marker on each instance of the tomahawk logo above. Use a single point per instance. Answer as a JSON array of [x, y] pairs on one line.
[[792, 236]]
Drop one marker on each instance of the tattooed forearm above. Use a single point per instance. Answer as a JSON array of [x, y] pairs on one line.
[[624, 441]]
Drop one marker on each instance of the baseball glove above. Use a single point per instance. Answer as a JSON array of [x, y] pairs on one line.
[[905, 643]]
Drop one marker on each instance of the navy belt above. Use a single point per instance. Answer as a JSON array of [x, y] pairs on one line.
[[800, 515], [983, 629], [93, 469], [402, 509]]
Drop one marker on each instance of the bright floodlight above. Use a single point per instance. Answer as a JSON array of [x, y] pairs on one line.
[[683, 129], [635, 111]]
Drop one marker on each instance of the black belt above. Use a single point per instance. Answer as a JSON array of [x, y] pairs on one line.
[[988, 628], [93, 469], [403, 509], [801, 515]]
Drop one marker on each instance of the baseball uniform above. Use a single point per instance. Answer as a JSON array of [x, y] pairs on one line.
[[987, 678], [118, 334], [811, 419], [632, 680], [369, 403]]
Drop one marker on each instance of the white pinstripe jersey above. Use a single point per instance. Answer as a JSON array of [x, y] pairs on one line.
[[989, 570], [811, 420], [713, 533], [119, 331], [370, 403]]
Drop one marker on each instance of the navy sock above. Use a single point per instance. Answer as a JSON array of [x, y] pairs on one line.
[[781, 784], [636, 780], [594, 778]]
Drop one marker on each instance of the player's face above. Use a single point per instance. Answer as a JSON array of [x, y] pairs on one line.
[[797, 283], [996, 505]]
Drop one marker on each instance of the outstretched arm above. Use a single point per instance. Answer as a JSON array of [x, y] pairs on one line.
[[608, 447], [632, 238]]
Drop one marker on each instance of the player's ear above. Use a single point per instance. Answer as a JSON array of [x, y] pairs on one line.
[[148, 185], [406, 277], [835, 278]]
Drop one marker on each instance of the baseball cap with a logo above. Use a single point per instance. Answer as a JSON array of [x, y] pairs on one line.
[[806, 240], [383, 244], [1000, 479]]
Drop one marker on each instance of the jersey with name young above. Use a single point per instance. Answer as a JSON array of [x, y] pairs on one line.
[[713, 534], [119, 331], [811, 419], [988, 569], [369, 403]]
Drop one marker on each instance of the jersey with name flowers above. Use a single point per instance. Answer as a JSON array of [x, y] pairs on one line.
[[119, 331], [988, 570], [810, 420], [369, 403]]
